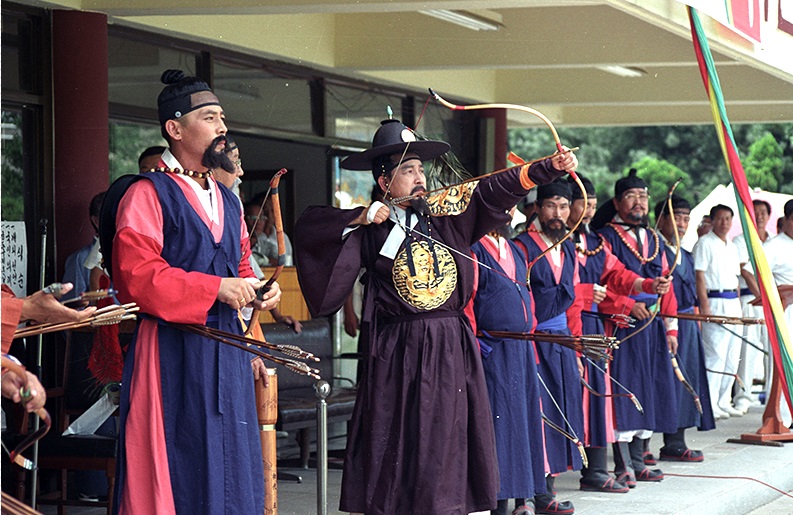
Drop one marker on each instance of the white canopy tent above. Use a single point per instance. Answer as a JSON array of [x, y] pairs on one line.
[[726, 195]]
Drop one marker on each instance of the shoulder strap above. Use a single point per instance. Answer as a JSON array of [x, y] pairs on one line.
[[107, 216]]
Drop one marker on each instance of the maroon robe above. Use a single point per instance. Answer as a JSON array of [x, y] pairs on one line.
[[421, 439]]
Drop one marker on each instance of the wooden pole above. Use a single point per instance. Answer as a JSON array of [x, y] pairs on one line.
[[267, 409], [773, 431]]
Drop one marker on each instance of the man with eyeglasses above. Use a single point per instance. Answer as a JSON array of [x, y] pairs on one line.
[[643, 364]]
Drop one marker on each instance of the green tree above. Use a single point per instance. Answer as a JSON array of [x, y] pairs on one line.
[[660, 175], [127, 141], [605, 152], [764, 164], [12, 181]]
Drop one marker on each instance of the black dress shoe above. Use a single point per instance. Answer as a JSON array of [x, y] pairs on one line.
[[672, 454], [651, 475], [602, 484], [554, 507]]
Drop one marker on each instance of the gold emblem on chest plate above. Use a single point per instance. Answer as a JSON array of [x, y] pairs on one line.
[[425, 290]]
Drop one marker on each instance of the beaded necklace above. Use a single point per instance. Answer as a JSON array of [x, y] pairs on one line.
[[189, 173], [590, 253], [632, 249]]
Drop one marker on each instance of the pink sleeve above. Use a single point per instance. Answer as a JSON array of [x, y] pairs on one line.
[[245, 269], [141, 274], [574, 311], [469, 308], [616, 277]]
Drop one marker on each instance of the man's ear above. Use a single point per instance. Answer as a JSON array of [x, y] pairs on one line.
[[616, 204], [174, 129], [382, 181]]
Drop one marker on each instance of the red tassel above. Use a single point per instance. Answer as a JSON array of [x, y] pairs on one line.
[[106, 362]]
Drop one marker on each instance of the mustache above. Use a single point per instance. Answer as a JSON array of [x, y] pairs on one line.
[[213, 158], [554, 228]]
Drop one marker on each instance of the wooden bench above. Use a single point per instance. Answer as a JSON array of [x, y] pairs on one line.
[[297, 400]]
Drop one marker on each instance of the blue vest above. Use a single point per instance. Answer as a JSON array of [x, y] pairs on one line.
[[553, 299]]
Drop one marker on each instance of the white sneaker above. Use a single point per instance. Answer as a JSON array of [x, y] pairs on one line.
[[743, 405], [732, 411]]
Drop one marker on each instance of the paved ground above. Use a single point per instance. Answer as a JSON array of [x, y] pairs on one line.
[[678, 494], [674, 495]]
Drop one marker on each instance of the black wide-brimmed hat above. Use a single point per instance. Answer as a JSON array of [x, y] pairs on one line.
[[391, 138]]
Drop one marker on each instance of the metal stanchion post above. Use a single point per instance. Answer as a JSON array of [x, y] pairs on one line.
[[40, 344], [322, 389]]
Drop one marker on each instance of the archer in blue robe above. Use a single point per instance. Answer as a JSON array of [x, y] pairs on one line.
[[558, 365], [207, 398], [690, 353], [591, 273], [642, 363], [510, 367]]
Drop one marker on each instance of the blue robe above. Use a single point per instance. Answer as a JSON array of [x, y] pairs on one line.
[[690, 353], [208, 402], [558, 365], [511, 375], [595, 419], [642, 363]]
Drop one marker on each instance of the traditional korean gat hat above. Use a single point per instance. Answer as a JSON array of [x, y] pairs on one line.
[[393, 137]]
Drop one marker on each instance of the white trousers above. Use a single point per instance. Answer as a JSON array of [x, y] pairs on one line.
[[752, 361], [722, 351]]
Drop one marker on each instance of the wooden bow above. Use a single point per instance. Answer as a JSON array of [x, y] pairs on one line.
[[559, 150], [596, 393], [279, 235], [686, 384], [24, 393], [629, 394]]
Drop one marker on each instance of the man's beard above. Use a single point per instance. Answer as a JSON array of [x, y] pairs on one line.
[[556, 232], [218, 159], [584, 228], [639, 219]]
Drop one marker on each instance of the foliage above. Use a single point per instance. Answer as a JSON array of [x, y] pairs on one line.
[[606, 153], [127, 141], [12, 182], [764, 166], [660, 175]]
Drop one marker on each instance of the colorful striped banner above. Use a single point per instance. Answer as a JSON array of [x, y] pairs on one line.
[[778, 332]]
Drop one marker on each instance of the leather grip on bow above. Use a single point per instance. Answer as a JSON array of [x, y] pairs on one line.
[[24, 392], [281, 242]]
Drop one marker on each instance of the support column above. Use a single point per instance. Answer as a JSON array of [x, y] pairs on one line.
[[80, 124], [496, 151]]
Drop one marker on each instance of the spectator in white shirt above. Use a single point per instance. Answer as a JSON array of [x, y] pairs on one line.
[[718, 267]]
